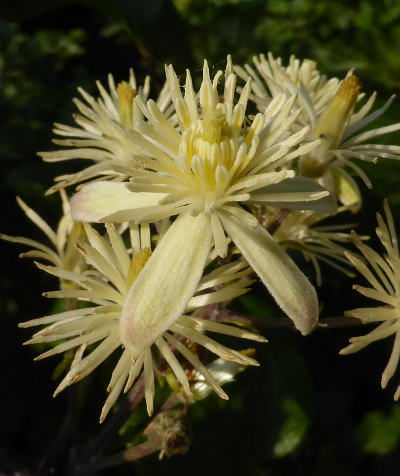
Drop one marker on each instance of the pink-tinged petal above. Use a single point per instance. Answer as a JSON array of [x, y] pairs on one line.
[[167, 282], [287, 284], [97, 200]]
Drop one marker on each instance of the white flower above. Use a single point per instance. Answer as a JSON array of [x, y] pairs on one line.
[[103, 131], [301, 230], [271, 78], [337, 126], [113, 271], [383, 276], [327, 107], [205, 171], [62, 252]]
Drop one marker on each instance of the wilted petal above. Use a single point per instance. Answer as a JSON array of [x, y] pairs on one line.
[[287, 284], [167, 282], [298, 193], [100, 199]]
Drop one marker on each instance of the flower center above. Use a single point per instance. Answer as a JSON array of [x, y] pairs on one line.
[[210, 148]]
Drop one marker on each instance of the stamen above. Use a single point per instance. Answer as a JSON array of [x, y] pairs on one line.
[[136, 266], [126, 95], [331, 126]]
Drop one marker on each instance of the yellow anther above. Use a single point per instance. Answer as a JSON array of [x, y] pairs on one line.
[[336, 116], [126, 95], [213, 124], [73, 259], [137, 264], [72, 256], [331, 126]]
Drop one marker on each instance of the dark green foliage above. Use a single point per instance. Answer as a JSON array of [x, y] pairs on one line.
[[379, 433]]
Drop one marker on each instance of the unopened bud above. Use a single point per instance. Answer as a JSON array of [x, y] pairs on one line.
[[336, 116], [331, 126]]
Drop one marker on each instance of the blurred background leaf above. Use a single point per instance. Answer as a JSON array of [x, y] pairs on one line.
[[379, 433]]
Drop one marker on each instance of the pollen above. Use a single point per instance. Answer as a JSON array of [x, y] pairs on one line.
[[331, 126], [136, 266], [126, 94], [334, 120]]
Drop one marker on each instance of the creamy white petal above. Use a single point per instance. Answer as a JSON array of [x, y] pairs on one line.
[[191, 357], [300, 186], [149, 389], [100, 199], [38, 221], [167, 282], [287, 284]]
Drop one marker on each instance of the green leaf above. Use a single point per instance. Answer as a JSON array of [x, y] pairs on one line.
[[379, 433], [293, 430]]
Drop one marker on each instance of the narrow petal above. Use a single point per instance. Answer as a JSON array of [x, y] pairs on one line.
[[149, 381], [100, 199], [287, 284], [134, 371], [38, 221], [393, 362], [191, 357], [300, 186], [173, 362], [168, 281]]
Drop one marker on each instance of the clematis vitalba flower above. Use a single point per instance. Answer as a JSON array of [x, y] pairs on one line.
[[206, 171], [383, 276], [299, 78], [106, 326], [329, 108], [60, 250], [102, 132], [302, 231]]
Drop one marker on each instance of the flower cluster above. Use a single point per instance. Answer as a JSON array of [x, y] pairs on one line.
[[104, 131], [208, 171], [327, 107], [190, 194]]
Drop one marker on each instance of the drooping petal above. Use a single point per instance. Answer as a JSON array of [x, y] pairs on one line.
[[167, 282], [100, 199], [287, 284], [296, 193]]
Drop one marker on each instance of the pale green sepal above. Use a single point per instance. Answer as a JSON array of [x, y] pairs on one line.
[[300, 185], [346, 189], [167, 282], [97, 200], [287, 284]]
